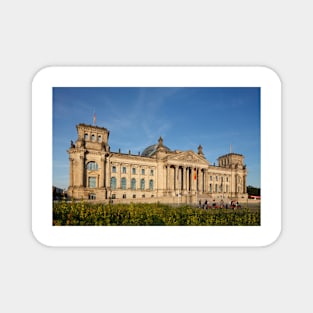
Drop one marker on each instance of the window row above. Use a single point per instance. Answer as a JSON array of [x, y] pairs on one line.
[[92, 166], [218, 188], [93, 137], [93, 196], [133, 170], [217, 178], [124, 196], [133, 184]]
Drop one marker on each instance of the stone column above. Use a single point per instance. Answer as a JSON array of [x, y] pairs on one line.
[[192, 184], [101, 183], [108, 173], [71, 172], [118, 176], [197, 179], [201, 180], [128, 184], [180, 178], [187, 178], [176, 178], [205, 180], [82, 171]]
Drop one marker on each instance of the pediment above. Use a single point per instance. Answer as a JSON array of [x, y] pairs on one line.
[[187, 157]]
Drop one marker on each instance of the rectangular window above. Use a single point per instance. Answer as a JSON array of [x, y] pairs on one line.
[[151, 172], [124, 170], [92, 182], [113, 169], [92, 196], [211, 178], [133, 171], [216, 178], [143, 171], [123, 183]]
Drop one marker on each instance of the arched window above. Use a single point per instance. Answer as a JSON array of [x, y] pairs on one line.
[[151, 184], [92, 166], [142, 184], [99, 138], [86, 137], [93, 137], [123, 183], [133, 184], [113, 183]]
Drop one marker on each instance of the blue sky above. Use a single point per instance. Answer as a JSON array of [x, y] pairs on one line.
[[136, 117]]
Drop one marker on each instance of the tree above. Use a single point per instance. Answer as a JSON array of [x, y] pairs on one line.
[[253, 191]]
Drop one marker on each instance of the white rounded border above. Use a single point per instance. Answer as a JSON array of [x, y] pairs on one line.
[[161, 236]]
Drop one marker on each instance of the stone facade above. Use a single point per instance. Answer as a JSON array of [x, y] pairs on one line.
[[157, 174]]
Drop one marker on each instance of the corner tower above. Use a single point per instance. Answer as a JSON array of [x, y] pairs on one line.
[[88, 161], [92, 137], [238, 173]]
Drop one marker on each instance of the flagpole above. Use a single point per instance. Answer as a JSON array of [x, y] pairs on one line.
[[94, 118]]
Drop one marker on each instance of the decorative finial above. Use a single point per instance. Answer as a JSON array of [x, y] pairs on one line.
[[160, 141], [200, 150]]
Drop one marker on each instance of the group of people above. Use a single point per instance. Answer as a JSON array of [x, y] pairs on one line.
[[232, 205]]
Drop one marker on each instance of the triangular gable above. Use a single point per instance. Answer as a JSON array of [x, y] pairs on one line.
[[187, 157]]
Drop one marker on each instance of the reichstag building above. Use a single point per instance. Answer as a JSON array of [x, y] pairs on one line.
[[157, 174]]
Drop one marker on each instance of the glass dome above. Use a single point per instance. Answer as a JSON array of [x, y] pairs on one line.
[[149, 151]]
